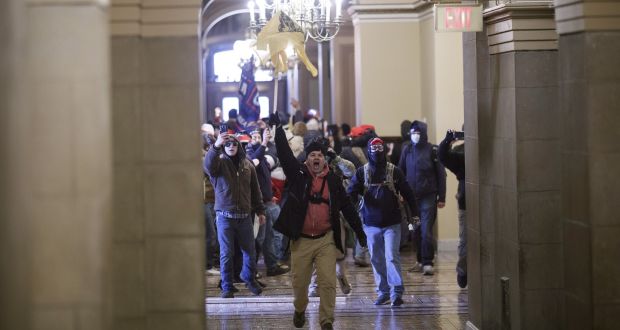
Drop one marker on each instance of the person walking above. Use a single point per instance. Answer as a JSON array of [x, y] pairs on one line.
[[381, 184], [310, 217], [237, 196], [427, 178]]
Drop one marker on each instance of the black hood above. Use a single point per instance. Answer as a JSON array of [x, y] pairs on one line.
[[236, 159], [421, 127]]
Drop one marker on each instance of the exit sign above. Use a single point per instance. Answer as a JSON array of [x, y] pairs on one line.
[[458, 18]]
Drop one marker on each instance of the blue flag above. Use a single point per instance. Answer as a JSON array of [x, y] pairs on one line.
[[249, 107]]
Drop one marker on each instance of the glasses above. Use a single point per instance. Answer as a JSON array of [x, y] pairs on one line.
[[376, 148], [229, 144]]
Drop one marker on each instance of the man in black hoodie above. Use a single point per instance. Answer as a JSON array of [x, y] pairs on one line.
[[380, 184], [427, 178]]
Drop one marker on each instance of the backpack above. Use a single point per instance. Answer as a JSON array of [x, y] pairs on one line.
[[405, 211]]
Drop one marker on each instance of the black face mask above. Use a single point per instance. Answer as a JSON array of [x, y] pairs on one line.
[[377, 158]]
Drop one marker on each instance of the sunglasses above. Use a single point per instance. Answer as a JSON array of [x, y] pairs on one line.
[[229, 144], [376, 148]]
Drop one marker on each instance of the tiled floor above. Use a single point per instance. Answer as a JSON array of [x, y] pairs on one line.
[[431, 302]]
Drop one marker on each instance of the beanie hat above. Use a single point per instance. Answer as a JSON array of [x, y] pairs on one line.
[[316, 146], [244, 138], [375, 141], [232, 114]]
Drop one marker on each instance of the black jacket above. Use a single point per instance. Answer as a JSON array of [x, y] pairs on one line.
[[295, 198], [455, 162]]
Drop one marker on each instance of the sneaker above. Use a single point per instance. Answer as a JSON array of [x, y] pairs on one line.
[[360, 262], [213, 272], [417, 268], [461, 280], [277, 270], [428, 270], [345, 286], [227, 294], [382, 300], [397, 302], [299, 319], [327, 326], [283, 265], [254, 287], [313, 292]]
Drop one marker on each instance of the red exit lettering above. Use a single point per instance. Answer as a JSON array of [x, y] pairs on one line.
[[457, 18]]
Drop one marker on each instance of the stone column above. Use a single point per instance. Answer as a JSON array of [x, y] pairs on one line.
[[325, 97], [159, 240], [56, 148], [14, 251], [589, 115], [513, 178]]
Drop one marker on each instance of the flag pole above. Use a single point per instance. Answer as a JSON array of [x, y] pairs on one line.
[[275, 92]]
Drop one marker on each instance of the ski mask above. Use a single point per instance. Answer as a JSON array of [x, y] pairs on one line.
[[376, 153]]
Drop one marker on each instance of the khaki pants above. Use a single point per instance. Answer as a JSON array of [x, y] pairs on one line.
[[322, 253]]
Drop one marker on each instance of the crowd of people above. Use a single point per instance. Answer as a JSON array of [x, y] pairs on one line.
[[300, 192]]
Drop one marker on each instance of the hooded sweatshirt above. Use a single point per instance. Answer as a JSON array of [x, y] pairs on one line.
[[425, 174], [235, 182], [380, 207]]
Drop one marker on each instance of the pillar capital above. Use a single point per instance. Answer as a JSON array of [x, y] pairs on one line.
[[379, 12], [518, 26], [573, 16]]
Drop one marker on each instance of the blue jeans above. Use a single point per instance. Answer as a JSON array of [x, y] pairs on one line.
[[266, 237], [210, 234], [424, 241], [383, 245], [241, 231], [461, 265]]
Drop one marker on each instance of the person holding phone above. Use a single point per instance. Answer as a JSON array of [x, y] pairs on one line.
[[452, 155], [237, 197]]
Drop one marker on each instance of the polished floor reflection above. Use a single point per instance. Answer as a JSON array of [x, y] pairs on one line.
[[431, 302]]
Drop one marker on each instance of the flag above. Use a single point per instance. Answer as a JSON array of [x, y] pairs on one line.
[[277, 34], [249, 107]]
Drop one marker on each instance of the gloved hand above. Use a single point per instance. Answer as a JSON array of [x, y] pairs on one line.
[[449, 136], [274, 119], [331, 154]]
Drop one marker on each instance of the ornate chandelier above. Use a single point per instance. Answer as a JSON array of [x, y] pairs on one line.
[[316, 17]]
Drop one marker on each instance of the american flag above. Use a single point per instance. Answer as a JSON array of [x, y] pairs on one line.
[[249, 108]]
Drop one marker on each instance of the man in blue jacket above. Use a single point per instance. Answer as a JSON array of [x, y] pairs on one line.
[[427, 178], [380, 184]]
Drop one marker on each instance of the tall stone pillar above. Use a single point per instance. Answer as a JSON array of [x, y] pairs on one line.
[[158, 234], [514, 235], [589, 45], [14, 251], [56, 147]]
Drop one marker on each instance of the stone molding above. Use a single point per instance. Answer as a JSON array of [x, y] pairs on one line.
[[574, 16], [154, 18], [384, 13], [520, 26]]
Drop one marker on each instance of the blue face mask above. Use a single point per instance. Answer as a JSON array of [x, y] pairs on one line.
[[415, 138]]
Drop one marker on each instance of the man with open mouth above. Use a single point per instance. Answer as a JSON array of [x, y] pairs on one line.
[[310, 217]]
